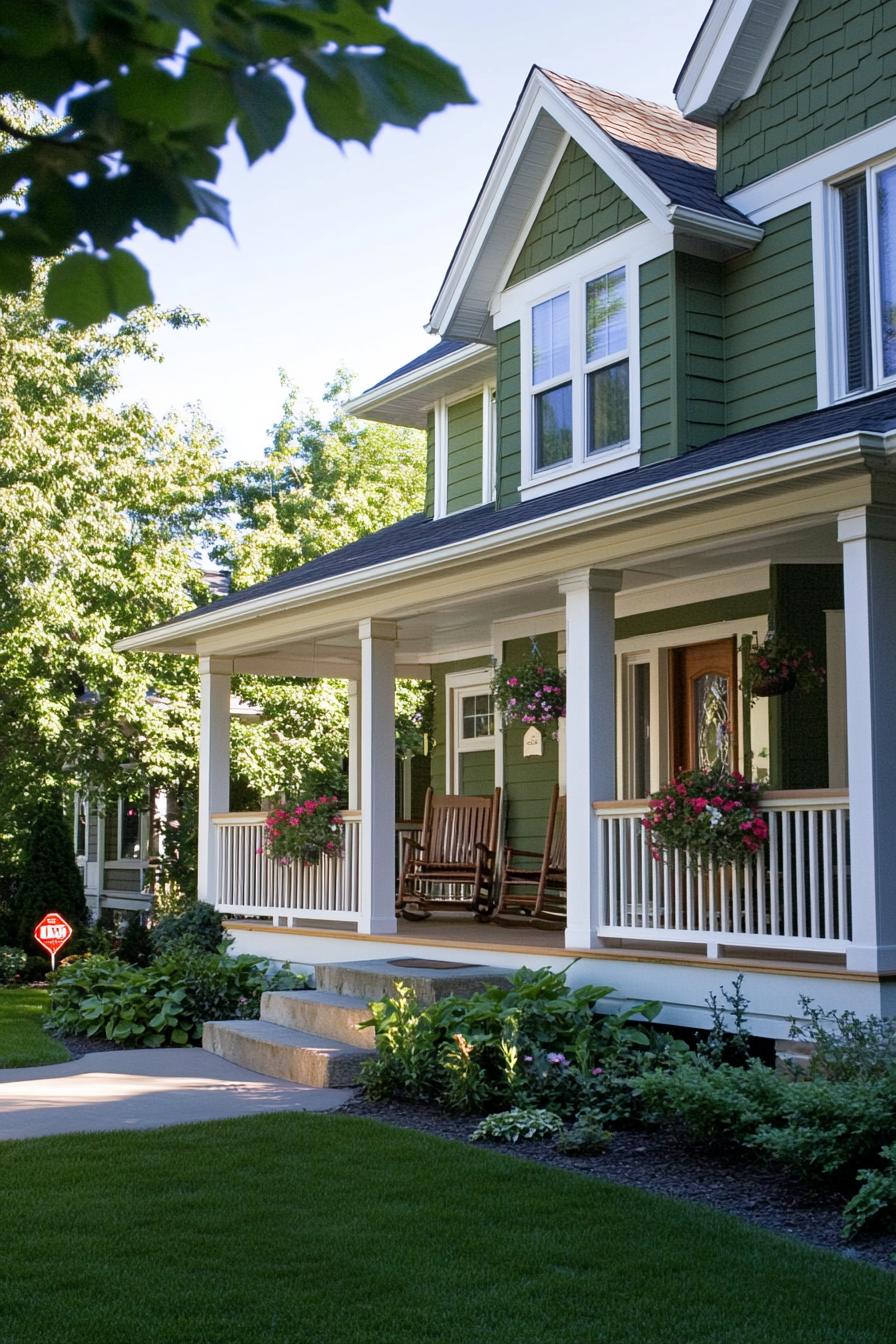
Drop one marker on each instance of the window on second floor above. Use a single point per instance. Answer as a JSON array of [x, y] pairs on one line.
[[867, 241], [580, 356]]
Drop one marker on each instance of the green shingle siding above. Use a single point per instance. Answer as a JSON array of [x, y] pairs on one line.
[[582, 206], [528, 780], [770, 327], [833, 75], [655, 297], [508, 415], [430, 496], [465, 454]]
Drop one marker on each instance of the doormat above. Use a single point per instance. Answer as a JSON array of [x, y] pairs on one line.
[[421, 964]]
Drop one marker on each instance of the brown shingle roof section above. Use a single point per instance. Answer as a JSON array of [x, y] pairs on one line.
[[632, 121]]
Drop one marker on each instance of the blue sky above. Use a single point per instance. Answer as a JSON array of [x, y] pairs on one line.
[[339, 254]]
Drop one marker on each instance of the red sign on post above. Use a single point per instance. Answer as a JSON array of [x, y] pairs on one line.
[[51, 933]]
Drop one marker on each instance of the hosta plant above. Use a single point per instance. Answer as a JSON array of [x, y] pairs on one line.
[[304, 831], [521, 1123], [709, 815]]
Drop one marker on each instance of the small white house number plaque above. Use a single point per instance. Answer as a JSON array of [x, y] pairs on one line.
[[532, 743]]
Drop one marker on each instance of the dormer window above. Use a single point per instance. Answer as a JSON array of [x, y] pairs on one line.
[[867, 238]]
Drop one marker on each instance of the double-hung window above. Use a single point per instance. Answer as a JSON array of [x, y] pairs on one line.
[[551, 382], [580, 372], [606, 362], [867, 243]]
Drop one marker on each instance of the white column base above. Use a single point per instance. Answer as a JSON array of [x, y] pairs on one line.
[[876, 960]]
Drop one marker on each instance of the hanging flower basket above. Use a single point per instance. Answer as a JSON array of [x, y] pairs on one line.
[[778, 665], [303, 832], [529, 692], [710, 815]]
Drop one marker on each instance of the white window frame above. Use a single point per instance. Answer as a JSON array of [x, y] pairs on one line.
[[835, 271], [476, 681], [575, 277]]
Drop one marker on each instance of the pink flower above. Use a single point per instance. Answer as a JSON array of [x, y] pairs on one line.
[[556, 1058], [699, 804], [716, 802], [595, 1073], [513, 681]]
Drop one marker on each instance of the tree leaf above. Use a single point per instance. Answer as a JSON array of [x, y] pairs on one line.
[[265, 111], [83, 288]]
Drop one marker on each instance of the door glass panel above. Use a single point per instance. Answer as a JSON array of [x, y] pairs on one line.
[[711, 726], [640, 730]]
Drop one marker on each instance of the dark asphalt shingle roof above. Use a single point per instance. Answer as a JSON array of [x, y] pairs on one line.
[[437, 351], [418, 534]]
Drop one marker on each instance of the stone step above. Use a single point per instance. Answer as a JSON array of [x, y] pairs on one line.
[[429, 979], [334, 1016], [284, 1052]]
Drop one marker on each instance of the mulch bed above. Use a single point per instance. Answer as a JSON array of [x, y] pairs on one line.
[[78, 1046], [659, 1162]]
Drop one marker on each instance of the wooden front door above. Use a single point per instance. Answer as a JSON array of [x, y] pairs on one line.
[[704, 705]]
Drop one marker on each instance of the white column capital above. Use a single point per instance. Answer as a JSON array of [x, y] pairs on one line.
[[374, 628], [590, 581], [215, 666], [872, 522]]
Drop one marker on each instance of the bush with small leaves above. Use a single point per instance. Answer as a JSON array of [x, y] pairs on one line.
[[12, 964], [874, 1203], [200, 927], [588, 1134], [713, 1104], [829, 1130], [521, 1123], [846, 1048]]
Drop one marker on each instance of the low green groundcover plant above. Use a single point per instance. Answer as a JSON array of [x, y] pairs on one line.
[[524, 1122], [165, 1003], [874, 1203], [23, 1041]]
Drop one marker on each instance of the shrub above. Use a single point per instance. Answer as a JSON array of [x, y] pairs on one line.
[[847, 1048], [165, 1003], [199, 927], [521, 1123], [50, 878], [136, 946], [875, 1200], [588, 1134], [12, 963], [827, 1129], [713, 1104], [532, 1042]]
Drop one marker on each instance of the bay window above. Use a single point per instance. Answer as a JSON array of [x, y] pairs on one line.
[[867, 242], [580, 373]]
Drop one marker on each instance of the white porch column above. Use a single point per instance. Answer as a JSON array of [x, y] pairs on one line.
[[214, 766], [590, 737], [868, 537], [377, 896], [354, 746]]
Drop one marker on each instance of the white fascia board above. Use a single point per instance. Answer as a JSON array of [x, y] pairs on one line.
[[379, 396], [733, 51], [695, 488], [698, 224]]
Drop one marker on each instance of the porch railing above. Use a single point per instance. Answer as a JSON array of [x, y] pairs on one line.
[[251, 885], [793, 894]]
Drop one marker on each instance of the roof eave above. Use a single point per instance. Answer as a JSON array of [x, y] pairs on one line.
[[375, 403], [732, 236], [730, 56], [695, 488]]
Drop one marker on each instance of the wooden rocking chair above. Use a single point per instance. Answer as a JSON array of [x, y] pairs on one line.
[[538, 891], [455, 853]]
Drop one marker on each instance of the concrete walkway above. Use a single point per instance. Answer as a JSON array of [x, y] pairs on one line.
[[144, 1089]]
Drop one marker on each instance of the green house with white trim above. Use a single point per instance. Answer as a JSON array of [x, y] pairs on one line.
[[660, 411]]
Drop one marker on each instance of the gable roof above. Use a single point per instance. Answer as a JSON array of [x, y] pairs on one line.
[[405, 396], [730, 55], [418, 534], [662, 163]]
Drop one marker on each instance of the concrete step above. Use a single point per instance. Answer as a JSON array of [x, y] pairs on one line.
[[430, 979], [334, 1016], [284, 1052]]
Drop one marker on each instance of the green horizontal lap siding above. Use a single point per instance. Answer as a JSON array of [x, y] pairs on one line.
[[770, 327], [528, 780], [430, 497], [477, 772], [833, 75], [508, 415], [656, 283], [122, 879], [582, 206], [798, 723], [701, 366], [739, 606], [465, 454], [439, 753]]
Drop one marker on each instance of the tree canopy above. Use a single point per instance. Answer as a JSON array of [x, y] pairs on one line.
[[147, 93]]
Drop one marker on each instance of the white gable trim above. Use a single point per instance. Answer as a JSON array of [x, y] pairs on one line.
[[731, 55]]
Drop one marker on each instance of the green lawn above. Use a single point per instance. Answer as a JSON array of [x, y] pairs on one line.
[[293, 1229], [22, 1039]]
